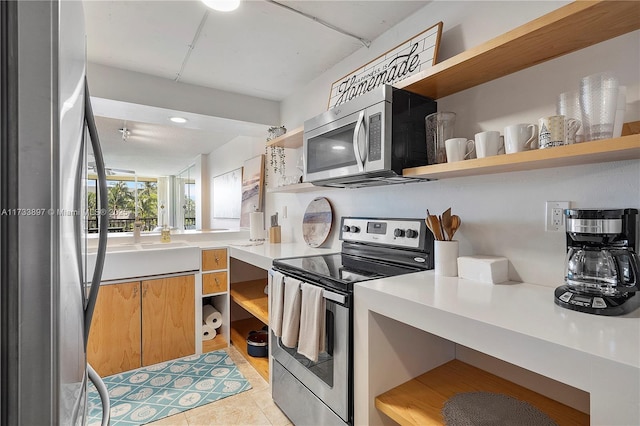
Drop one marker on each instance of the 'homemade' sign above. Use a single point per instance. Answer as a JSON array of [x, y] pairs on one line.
[[411, 57]]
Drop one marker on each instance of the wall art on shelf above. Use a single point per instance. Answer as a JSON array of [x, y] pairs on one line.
[[417, 54], [227, 195], [252, 188]]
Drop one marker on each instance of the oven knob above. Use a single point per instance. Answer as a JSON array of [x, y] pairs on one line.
[[412, 233], [354, 229], [345, 228], [398, 232]]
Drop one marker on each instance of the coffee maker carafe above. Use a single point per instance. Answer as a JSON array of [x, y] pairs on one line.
[[601, 267]]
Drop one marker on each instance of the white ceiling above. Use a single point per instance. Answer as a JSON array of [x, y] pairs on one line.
[[260, 50]]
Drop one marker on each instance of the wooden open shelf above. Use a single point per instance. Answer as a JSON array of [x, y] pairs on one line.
[[239, 331], [291, 139], [623, 148], [570, 28], [251, 296], [420, 401], [218, 342]]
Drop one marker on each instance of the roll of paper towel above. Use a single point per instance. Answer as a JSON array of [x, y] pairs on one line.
[[256, 226], [208, 332], [211, 316]]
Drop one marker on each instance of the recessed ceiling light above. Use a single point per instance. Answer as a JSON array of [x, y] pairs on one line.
[[222, 5], [178, 119]]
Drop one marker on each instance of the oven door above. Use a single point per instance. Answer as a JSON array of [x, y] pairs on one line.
[[355, 144], [301, 387]]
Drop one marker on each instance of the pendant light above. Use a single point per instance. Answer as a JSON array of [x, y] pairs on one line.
[[222, 5]]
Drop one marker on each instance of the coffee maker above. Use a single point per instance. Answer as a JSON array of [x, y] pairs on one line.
[[601, 268]]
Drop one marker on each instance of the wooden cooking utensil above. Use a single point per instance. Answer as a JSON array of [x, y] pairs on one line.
[[434, 225], [446, 224], [455, 224]]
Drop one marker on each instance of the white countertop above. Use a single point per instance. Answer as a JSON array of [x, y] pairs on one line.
[[517, 323], [516, 307]]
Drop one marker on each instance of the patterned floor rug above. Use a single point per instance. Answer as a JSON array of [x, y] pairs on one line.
[[157, 391]]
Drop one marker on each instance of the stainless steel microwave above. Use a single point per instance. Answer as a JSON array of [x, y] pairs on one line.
[[368, 140]]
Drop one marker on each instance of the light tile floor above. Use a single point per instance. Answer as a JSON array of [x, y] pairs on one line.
[[253, 407]]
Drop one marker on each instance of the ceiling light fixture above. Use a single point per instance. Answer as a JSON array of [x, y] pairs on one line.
[[180, 120], [222, 5]]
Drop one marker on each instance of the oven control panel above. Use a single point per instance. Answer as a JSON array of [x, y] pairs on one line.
[[407, 233]]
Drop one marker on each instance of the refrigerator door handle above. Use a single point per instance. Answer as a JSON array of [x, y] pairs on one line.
[[103, 392], [103, 203]]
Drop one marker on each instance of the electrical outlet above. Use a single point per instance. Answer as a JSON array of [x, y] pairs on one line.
[[554, 216]]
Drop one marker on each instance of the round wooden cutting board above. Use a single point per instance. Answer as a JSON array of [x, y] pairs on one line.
[[316, 223]]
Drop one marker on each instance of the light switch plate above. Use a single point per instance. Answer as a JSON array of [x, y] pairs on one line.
[[554, 216]]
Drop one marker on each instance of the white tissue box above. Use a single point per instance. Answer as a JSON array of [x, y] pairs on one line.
[[486, 269]]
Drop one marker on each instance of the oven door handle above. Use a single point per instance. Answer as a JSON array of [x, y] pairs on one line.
[[329, 295]]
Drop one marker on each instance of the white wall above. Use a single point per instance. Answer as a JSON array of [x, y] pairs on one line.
[[229, 157], [502, 214]]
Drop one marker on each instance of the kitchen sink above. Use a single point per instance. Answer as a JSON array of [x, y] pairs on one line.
[[130, 260]]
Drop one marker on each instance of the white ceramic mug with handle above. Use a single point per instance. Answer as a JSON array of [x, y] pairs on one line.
[[458, 149], [520, 137], [557, 130], [489, 143]]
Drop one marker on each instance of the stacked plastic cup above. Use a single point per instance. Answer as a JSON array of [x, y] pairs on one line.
[[568, 104], [598, 101]]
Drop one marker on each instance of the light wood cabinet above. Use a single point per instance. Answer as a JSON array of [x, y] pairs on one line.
[[214, 259], [215, 281], [114, 338], [168, 312], [141, 323]]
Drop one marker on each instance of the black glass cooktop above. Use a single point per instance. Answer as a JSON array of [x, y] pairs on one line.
[[338, 270]]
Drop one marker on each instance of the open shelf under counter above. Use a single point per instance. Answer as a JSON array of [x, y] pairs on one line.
[[239, 331], [292, 139], [218, 342], [617, 149], [251, 296], [420, 401], [570, 28]]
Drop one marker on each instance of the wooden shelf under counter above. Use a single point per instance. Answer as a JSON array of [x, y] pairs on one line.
[[251, 296], [239, 331], [420, 401], [218, 342], [602, 151]]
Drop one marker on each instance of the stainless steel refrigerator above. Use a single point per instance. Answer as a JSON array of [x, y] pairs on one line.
[[46, 294]]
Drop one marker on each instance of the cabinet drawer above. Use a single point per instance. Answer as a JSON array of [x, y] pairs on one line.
[[214, 259], [215, 282]]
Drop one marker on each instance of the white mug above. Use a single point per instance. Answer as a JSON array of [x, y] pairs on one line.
[[458, 149], [489, 143], [557, 130], [519, 137]]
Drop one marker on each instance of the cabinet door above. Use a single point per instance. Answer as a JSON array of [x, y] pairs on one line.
[[215, 282], [168, 319], [114, 338], [214, 259]]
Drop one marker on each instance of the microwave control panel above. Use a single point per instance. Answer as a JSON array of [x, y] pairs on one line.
[[375, 137]]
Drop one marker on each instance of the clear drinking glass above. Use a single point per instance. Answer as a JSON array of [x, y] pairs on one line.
[[568, 104], [439, 127], [598, 101]]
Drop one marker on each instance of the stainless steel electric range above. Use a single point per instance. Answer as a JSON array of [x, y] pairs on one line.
[[314, 393]]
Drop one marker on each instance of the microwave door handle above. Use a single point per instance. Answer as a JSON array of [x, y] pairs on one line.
[[356, 138]]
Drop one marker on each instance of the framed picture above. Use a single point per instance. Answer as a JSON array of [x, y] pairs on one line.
[[411, 57], [227, 195], [252, 188]]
